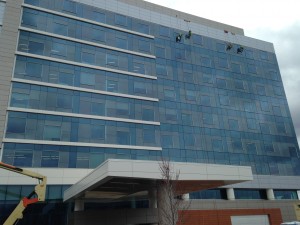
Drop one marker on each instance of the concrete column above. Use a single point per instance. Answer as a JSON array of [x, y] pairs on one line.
[[152, 196], [79, 205], [186, 197], [230, 194], [270, 194], [298, 193]]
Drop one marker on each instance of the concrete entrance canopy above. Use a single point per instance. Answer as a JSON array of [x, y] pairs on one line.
[[116, 179]]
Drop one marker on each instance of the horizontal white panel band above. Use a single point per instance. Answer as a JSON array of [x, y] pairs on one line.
[[86, 42], [85, 65], [84, 90], [80, 144], [87, 21], [85, 116]]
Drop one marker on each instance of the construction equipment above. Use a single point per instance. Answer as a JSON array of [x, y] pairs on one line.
[[38, 195]]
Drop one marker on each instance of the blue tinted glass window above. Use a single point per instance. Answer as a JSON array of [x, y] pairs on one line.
[[99, 17], [251, 148], [268, 147], [88, 58], [217, 145], [197, 39], [190, 95], [52, 133], [59, 28], [249, 54], [278, 91], [161, 69], [34, 69], [250, 194], [66, 78], [205, 61], [220, 47], [171, 114], [239, 84], [144, 46], [122, 109], [223, 63], [265, 129], [59, 49], [149, 136], [224, 100], [221, 83], [209, 194], [50, 159], [123, 138], [285, 194], [29, 19], [251, 124], [251, 68], [179, 53], [237, 145], [112, 60], [205, 100], [208, 119], [23, 158], [54, 192], [169, 94], [273, 75], [233, 124], [277, 110], [64, 101], [98, 132], [164, 31], [249, 106], [160, 52], [87, 78], [69, 6], [140, 88], [121, 42], [36, 48], [143, 28], [207, 78], [98, 108], [98, 35], [265, 106], [186, 119], [189, 139], [139, 68], [263, 55], [148, 114], [280, 128], [261, 90], [16, 125], [112, 86], [236, 68], [167, 141], [19, 100], [121, 20]]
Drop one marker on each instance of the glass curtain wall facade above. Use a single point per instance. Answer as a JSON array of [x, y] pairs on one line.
[[90, 85]]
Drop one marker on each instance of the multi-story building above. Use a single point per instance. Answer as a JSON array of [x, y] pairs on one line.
[[97, 92]]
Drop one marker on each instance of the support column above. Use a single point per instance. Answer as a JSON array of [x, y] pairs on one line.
[[79, 205], [298, 193], [152, 196], [270, 194], [230, 194]]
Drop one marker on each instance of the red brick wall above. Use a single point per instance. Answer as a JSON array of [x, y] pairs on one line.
[[222, 217]]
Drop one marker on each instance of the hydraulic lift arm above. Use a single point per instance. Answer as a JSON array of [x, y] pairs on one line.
[[38, 195]]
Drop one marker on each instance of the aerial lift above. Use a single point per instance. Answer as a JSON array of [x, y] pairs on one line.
[[38, 195]]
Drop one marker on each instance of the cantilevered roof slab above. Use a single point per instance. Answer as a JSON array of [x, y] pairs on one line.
[[115, 179]]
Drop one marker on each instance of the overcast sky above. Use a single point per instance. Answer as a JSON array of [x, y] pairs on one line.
[[275, 21]]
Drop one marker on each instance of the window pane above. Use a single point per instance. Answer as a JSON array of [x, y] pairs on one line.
[[36, 48], [33, 69], [16, 125], [52, 133], [23, 158], [149, 136], [144, 46], [69, 6], [148, 114], [112, 60], [88, 58], [121, 20], [87, 78], [123, 137], [29, 19], [50, 159], [112, 86], [59, 28]]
